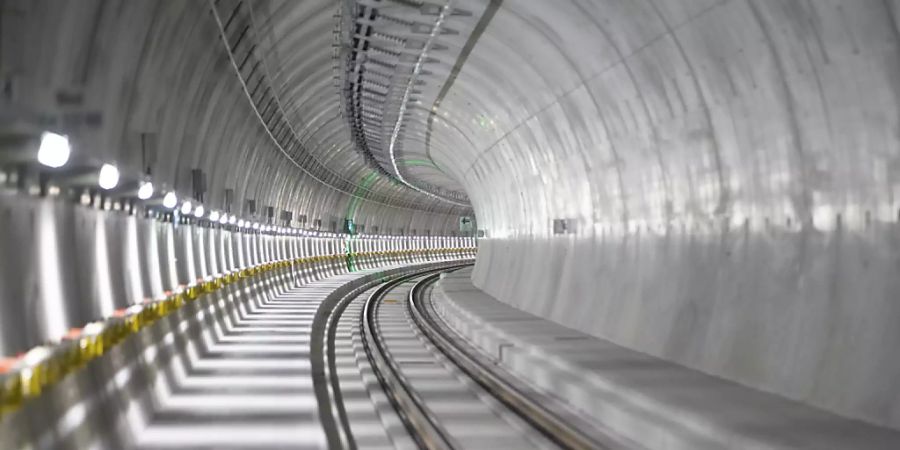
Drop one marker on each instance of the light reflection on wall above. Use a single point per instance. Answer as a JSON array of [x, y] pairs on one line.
[[53, 310], [101, 269], [241, 261], [153, 267], [189, 256], [133, 260], [229, 250], [172, 260], [215, 236], [200, 250]]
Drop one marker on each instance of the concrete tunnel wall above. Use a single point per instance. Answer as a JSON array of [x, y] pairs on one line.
[[67, 265], [726, 170], [148, 85]]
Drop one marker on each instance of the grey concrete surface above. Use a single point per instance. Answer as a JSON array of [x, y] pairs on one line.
[[728, 171], [652, 402], [724, 173], [66, 265], [229, 370], [150, 85]]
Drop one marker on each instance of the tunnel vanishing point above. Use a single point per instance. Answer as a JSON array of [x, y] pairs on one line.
[[454, 224]]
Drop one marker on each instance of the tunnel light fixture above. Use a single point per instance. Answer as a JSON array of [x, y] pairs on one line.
[[186, 208], [145, 191], [240, 223], [232, 220], [170, 200], [214, 216], [109, 177], [223, 219], [199, 211], [255, 226], [54, 150]]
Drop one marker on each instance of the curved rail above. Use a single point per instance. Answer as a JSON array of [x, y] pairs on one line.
[[421, 424], [486, 375], [424, 428], [333, 413]]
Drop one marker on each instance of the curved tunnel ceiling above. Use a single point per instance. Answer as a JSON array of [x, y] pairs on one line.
[[707, 161], [619, 114], [288, 57], [623, 115], [246, 92]]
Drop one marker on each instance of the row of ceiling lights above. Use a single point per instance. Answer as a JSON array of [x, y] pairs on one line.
[[54, 152]]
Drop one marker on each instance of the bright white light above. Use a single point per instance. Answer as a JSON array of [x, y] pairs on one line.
[[241, 223], [214, 216], [109, 176], [186, 208], [54, 150], [92, 329], [224, 219], [255, 226], [198, 212], [170, 200], [37, 355], [232, 219], [145, 191]]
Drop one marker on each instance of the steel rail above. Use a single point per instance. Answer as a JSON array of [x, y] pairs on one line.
[[423, 427], [487, 375]]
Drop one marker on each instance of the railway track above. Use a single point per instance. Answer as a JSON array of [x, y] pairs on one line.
[[426, 387]]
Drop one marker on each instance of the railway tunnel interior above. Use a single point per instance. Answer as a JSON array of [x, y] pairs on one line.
[[708, 185]]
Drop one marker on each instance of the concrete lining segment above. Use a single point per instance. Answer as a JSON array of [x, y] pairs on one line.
[[229, 369], [653, 402], [731, 166]]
